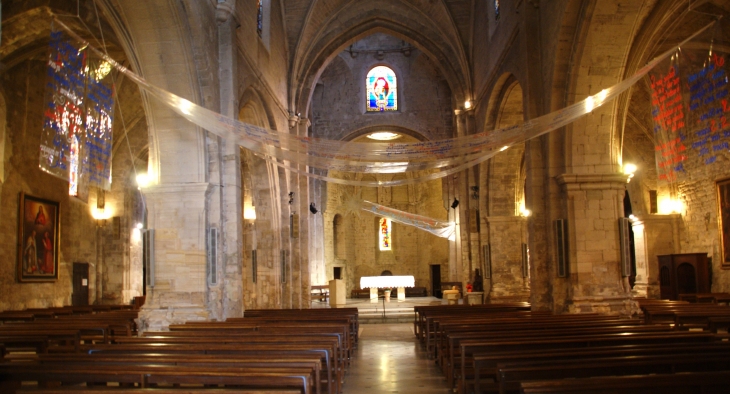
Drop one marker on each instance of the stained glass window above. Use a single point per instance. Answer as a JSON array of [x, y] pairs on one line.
[[496, 9], [382, 90], [385, 234], [260, 18]]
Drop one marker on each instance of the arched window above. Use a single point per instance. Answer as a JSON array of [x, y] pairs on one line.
[[263, 12], [382, 90], [385, 234]]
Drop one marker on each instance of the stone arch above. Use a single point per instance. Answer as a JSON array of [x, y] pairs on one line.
[[504, 172], [259, 190]]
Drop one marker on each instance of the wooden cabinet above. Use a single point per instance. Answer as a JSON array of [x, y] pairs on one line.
[[684, 273]]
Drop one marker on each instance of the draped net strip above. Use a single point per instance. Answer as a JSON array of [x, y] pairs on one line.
[[433, 226], [437, 158]]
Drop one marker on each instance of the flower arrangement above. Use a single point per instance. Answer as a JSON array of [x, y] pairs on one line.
[[468, 287]]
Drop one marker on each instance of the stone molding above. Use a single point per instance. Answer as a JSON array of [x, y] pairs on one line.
[[163, 190], [576, 182]]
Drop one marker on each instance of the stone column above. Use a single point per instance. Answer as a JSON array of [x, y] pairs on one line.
[[650, 240], [593, 204], [505, 240], [177, 212], [229, 295]]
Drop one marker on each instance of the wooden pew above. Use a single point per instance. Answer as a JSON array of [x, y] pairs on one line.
[[485, 365], [186, 390], [510, 376], [468, 348], [678, 383], [456, 362], [150, 375], [257, 350], [319, 292], [298, 362]]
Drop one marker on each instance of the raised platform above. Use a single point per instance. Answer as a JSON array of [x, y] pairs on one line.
[[393, 311]]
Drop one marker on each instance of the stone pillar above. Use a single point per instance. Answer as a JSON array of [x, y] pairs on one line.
[[229, 294], [593, 204], [505, 240], [177, 212], [300, 251], [650, 240]]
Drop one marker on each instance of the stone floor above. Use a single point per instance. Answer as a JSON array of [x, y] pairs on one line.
[[389, 359]]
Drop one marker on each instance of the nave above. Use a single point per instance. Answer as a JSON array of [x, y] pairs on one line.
[[390, 360]]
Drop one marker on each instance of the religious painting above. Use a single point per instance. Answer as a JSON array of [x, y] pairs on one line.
[[38, 238], [384, 234], [723, 199], [381, 87]]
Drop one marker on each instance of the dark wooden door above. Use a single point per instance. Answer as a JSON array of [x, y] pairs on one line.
[[80, 296], [436, 281]]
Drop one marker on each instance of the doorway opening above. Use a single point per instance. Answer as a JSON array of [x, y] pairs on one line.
[[436, 281]]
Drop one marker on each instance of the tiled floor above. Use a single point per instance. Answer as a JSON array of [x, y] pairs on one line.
[[390, 360]]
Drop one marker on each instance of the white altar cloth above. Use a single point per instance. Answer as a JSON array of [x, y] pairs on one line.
[[387, 281]]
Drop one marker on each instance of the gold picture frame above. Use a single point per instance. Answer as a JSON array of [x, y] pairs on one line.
[[38, 239]]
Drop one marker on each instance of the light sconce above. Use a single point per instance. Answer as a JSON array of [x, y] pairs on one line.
[[455, 203], [629, 169], [474, 192], [467, 104], [142, 180], [525, 212], [291, 197], [313, 208]]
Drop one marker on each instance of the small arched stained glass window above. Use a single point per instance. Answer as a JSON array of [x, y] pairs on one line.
[[382, 90], [260, 18], [496, 9], [384, 234]]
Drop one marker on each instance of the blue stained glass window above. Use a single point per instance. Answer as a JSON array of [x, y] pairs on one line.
[[260, 18], [382, 90], [496, 9]]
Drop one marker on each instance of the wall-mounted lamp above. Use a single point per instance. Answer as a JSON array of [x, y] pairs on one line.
[[474, 192], [455, 203], [467, 104], [142, 180], [313, 208], [525, 212], [629, 169], [291, 197]]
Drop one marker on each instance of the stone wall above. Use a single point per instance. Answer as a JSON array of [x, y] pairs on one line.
[[24, 88], [424, 97]]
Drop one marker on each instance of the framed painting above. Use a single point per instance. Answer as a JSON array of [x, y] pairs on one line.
[[38, 239], [723, 200]]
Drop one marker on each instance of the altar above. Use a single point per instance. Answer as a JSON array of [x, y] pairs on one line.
[[388, 282]]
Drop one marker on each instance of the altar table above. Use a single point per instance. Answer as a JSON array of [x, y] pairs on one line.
[[375, 282]]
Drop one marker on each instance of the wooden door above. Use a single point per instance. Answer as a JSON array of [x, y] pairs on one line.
[[80, 296]]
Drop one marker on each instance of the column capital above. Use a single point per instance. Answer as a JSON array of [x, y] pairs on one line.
[[225, 10], [164, 190], [573, 182]]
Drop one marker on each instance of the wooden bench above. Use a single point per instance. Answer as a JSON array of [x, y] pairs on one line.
[[282, 362], [360, 293], [488, 363], [151, 375], [687, 382], [469, 348], [510, 376], [416, 292], [319, 292]]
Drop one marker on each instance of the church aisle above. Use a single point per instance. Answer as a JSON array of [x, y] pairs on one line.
[[390, 360]]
